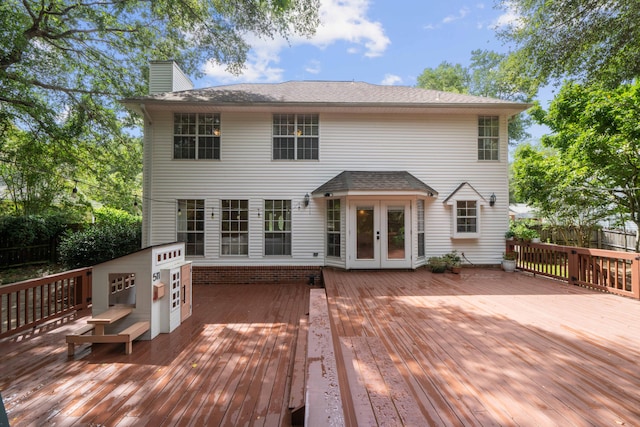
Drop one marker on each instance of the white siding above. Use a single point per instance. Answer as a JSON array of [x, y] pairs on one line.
[[440, 150], [166, 76]]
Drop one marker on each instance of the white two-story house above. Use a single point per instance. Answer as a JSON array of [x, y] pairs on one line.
[[275, 181]]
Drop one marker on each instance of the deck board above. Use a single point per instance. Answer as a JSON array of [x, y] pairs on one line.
[[477, 349], [489, 348]]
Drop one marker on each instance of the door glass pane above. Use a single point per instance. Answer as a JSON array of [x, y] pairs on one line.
[[365, 237], [395, 233]]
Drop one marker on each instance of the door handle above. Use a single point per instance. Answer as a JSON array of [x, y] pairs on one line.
[[184, 297], [377, 235]]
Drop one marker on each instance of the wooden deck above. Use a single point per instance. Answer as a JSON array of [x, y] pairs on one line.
[[485, 348], [413, 348]]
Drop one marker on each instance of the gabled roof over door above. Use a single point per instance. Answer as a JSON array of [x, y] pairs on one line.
[[353, 183]]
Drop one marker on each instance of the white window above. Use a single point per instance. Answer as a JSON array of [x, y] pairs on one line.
[[235, 227], [295, 137], [191, 226], [466, 216], [488, 137], [277, 227], [420, 209], [196, 136], [333, 228]]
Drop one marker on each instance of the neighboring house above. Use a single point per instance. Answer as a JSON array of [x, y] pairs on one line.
[[276, 181], [522, 211]]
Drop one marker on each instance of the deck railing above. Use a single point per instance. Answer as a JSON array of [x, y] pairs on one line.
[[29, 303], [611, 271]]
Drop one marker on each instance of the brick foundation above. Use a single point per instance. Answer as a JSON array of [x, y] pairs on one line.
[[221, 275]]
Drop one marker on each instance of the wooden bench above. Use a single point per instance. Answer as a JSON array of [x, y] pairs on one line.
[[126, 336], [72, 339], [131, 333]]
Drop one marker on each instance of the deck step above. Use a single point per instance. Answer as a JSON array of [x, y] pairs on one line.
[[323, 399], [296, 394]]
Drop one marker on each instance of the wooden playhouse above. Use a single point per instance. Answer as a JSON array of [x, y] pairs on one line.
[[139, 295]]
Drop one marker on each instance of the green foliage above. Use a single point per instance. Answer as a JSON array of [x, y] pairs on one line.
[[446, 77], [452, 259], [592, 160], [594, 40], [115, 234], [17, 231], [64, 65], [486, 76], [437, 264], [522, 230]]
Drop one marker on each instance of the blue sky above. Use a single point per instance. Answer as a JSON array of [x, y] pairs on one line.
[[374, 41]]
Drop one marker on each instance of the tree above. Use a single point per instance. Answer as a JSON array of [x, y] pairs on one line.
[[597, 138], [446, 77], [556, 189], [588, 40], [486, 76], [65, 63]]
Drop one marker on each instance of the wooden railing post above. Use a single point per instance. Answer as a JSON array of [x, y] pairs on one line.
[[635, 277], [573, 267]]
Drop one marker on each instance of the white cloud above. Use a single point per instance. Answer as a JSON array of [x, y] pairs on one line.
[[461, 14], [313, 67], [346, 20], [510, 17], [341, 20], [391, 79]]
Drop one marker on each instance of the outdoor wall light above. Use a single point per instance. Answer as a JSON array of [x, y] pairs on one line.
[[306, 200], [492, 199]]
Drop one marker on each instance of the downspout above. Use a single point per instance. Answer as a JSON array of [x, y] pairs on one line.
[[147, 197]]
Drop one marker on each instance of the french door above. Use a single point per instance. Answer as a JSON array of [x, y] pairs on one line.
[[380, 234]]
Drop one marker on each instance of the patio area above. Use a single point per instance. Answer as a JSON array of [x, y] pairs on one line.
[[480, 348]]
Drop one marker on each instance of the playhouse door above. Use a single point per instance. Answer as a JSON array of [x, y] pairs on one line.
[[185, 302]]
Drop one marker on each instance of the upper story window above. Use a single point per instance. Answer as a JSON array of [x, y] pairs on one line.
[[191, 225], [488, 137], [295, 137], [196, 136]]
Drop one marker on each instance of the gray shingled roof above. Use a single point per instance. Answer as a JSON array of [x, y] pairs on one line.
[[374, 181], [324, 93]]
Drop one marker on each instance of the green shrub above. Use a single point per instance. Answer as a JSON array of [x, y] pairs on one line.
[[112, 236], [31, 229]]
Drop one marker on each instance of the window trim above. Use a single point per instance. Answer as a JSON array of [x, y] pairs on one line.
[[296, 132], [240, 219], [184, 210], [488, 140], [420, 214], [216, 131], [456, 217], [334, 216], [286, 223]]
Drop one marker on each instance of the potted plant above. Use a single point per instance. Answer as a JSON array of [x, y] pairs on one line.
[[509, 261], [453, 261], [437, 264], [509, 234]]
